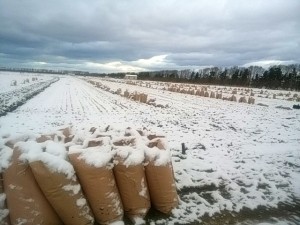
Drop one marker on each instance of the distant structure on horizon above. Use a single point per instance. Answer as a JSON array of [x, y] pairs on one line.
[[130, 77]]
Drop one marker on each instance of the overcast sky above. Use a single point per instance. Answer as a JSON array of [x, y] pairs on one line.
[[137, 35]]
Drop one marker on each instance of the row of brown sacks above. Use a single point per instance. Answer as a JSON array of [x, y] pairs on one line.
[[35, 194], [212, 94], [194, 90], [140, 97]]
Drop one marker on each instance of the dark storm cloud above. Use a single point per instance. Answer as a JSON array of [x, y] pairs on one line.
[[101, 35]]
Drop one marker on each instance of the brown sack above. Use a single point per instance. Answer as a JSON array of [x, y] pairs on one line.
[[52, 137], [64, 195], [133, 189], [100, 188], [44, 138], [162, 187], [25, 200], [161, 182], [67, 133], [94, 142]]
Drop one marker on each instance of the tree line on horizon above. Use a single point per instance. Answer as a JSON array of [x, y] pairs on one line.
[[275, 77]]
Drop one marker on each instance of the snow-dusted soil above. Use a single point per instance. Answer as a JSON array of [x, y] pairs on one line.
[[242, 163], [21, 80], [17, 88]]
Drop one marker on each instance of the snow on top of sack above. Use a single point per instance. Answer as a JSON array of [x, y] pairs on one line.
[[158, 152], [163, 157], [56, 149], [131, 156], [103, 140], [98, 156], [54, 163], [11, 140], [95, 156], [34, 148], [133, 145], [129, 145], [52, 154], [130, 148], [29, 148]]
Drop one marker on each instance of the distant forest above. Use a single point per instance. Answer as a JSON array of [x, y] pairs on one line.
[[276, 77]]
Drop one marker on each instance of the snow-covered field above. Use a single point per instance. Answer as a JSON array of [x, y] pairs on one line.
[[11, 81], [242, 163], [17, 88]]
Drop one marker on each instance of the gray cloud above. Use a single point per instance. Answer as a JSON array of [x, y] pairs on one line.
[[91, 34]]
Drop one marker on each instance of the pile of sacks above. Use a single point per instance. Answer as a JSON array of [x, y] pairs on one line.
[[218, 95], [136, 96], [86, 176]]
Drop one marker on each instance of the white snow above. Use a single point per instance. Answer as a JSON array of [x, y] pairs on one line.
[[238, 155], [160, 156], [81, 202], [132, 150], [5, 157], [30, 150], [7, 78], [53, 155], [95, 156], [56, 149], [138, 221], [144, 189], [72, 188], [15, 94], [54, 164], [117, 223]]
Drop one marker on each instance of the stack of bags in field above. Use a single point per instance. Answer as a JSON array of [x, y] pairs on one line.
[[172, 88], [219, 95], [136, 96], [76, 178], [243, 99], [142, 97], [231, 98]]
